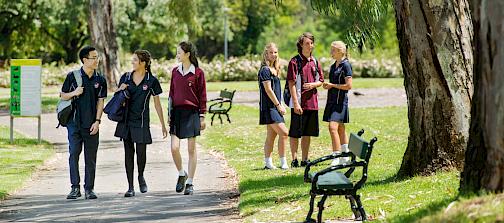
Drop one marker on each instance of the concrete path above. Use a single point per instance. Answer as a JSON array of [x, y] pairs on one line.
[[43, 198], [372, 97]]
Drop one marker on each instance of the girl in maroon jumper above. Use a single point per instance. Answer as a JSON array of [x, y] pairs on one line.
[[187, 118]]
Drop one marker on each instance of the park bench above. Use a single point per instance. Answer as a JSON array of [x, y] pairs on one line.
[[330, 181], [222, 105]]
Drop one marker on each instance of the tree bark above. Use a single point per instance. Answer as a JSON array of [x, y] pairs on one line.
[[484, 160], [103, 36], [435, 42]]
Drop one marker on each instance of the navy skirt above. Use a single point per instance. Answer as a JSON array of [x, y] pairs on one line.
[[185, 123], [337, 112], [270, 116], [134, 134]]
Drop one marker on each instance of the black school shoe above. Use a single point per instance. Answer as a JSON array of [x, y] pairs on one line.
[[295, 163], [181, 183], [90, 194], [74, 193], [304, 163], [143, 184], [189, 189], [130, 193]]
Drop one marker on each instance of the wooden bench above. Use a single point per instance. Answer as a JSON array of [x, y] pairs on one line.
[[330, 181], [222, 105]]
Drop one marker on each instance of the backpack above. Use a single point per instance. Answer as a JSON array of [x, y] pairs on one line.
[[287, 93], [64, 108]]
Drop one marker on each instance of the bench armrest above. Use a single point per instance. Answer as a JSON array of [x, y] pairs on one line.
[[216, 99]]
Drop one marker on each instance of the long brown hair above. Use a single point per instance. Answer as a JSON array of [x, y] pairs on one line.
[[144, 56], [187, 46], [265, 62]]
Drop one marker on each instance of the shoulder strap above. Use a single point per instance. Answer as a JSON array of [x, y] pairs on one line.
[[78, 77], [317, 72]]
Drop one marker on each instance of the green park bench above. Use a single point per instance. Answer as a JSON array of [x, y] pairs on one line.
[[221, 105], [330, 181]]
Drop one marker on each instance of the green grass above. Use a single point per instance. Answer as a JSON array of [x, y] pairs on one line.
[[487, 208], [358, 83], [282, 196], [20, 160]]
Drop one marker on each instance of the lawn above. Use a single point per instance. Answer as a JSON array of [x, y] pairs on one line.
[[280, 195], [19, 161]]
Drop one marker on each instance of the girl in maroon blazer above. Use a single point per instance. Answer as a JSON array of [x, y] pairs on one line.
[[187, 117]]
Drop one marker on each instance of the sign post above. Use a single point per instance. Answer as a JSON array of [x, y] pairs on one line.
[[26, 87]]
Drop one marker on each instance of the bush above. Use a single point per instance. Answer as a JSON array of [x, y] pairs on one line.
[[236, 69]]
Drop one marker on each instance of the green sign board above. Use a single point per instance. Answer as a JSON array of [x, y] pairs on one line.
[[26, 87]]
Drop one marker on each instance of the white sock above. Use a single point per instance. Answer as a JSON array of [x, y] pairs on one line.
[[189, 181], [181, 172], [336, 152], [344, 148], [283, 161], [268, 161]]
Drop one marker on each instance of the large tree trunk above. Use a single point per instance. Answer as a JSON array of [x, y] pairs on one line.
[[103, 36], [484, 163], [435, 41]]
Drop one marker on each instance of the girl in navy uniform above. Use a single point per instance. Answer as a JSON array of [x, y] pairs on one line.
[[141, 85], [271, 109], [187, 118], [336, 110]]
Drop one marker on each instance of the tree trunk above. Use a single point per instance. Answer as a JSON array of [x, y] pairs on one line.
[[435, 42], [484, 161], [103, 36]]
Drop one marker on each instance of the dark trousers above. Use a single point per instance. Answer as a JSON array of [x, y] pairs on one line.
[[76, 138], [129, 159]]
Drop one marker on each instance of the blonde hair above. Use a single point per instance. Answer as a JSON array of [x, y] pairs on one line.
[[265, 62], [340, 45]]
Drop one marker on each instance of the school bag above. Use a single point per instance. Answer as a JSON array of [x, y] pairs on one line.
[[287, 93], [115, 108], [65, 109]]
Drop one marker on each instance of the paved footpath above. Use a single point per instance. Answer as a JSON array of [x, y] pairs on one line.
[[43, 198]]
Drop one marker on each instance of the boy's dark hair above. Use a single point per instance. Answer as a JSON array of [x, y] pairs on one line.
[[84, 52], [187, 46], [301, 39]]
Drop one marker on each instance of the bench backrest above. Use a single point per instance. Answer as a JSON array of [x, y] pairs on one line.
[[227, 94], [358, 146]]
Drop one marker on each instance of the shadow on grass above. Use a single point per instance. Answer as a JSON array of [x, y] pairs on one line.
[[418, 214]]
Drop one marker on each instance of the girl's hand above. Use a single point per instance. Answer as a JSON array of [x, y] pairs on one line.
[[165, 132], [281, 109], [122, 87], [202, 123], [326, 85]]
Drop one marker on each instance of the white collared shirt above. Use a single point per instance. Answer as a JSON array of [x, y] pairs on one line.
[[191, 69]]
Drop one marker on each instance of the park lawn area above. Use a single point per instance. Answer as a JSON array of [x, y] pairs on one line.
[[19, 161], [357, 83], [487, 208], [48, 103], [280, 195]]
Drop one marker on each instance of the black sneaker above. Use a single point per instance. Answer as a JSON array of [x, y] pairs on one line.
[[295, 163], [74, 193], [130, 193], [305, 162], [143, 184], [181, 183], [90, 194], [189, 189]]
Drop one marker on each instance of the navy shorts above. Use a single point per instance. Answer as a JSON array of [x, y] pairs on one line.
[[270, 116], [306, 124], [185, 123], [337, 112]]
